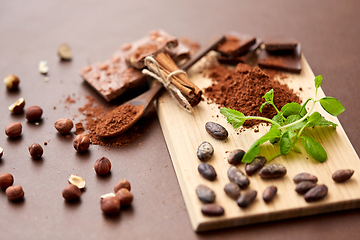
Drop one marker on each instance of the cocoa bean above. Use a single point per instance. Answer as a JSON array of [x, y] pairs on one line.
[[232, 190], [207, 171], [236, 156], [246, 198], [269, 193], [305, 177], [342, 175], [205, 151], [216, 130], [304, 186], [238, 177], [316, 193], [272, 171], [212, 209], [205, 194], [255, 165]]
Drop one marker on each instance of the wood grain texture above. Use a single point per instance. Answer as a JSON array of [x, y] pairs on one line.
[[184, 132]]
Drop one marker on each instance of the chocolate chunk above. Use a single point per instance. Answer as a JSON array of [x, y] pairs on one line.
[[279, 43], [236, 44], [289, 61], [184, 50], [154, 42], [112, 77]]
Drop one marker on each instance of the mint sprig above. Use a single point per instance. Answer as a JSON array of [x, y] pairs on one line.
[[289, 125]]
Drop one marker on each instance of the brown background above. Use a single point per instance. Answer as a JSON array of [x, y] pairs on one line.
[[31, 31]]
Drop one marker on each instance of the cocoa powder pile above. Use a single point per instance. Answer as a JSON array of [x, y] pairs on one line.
[[242, 89]]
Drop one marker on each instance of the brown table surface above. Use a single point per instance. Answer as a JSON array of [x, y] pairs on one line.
[[30, 31]]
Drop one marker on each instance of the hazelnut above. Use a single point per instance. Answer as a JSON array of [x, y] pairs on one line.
[[6, 180], [36, 151], [13, 130], [102, 166], [77, 181], [14, 192], [1, 152], [33, 113], [12, 82], [81, 142], [18, 106], [122, 184], [64, 125], [71, 192], [64, 52], [110, 205], [125, 197], [107, 195]]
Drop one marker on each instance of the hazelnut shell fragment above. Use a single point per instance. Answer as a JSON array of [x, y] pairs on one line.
[[6, 180], [18, 106], [71, 192], [122, 184], [77, 181], [102, 166], [64, 125], [110, 205], [36, 151], [11, 82], [14, 192], [33, 113], [13, 130]]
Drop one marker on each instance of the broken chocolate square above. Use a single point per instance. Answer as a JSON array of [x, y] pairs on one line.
[[236, 44], [279, 43]]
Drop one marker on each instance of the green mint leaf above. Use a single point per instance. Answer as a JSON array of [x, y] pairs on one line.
[[303, 110], [298, 126], [262, 106], [292, 108], [234, 117], [332, 105], [316, 119], [278, 118], [255, 147], [269, 96], [314, 149], [285, 143], [318, 80]]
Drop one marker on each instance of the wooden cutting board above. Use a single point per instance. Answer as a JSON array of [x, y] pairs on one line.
[[184, 132]]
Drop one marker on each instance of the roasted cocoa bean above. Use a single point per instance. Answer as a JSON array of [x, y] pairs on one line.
[[207, 171], [272, 171], [232, 190], [216, 130], [342, 175], [316, 193], [304, 186], [255, 165], [236, 156], [205, 151], [305, 177], [212, 209], [205, 194], [269, 193], [238, 177], [246, 198]]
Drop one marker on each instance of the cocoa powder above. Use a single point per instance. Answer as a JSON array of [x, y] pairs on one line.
[[243, 89]]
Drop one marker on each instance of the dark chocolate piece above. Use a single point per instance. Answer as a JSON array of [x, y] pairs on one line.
[[152, 43], [289, 61], [236, 44], [184, 50], [279, 43], [112, 77]]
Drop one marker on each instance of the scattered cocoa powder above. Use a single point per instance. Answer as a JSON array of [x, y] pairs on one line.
[[242, 89], [231, 44]]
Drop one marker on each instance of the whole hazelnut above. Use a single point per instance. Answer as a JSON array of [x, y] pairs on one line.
[[122, 184], [64, 125], [71, 192], [36, 151], [6, 180], [81, 142], [110, 205], [13, 130], [18, 106], [1, 152], [14, 192], [125, 197], [33, 113], [102, 166], [12, 82]]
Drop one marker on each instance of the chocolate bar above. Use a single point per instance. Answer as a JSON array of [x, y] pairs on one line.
[[112, 77], [279, 43], [236, 44], [155, 41], [289, 61]]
